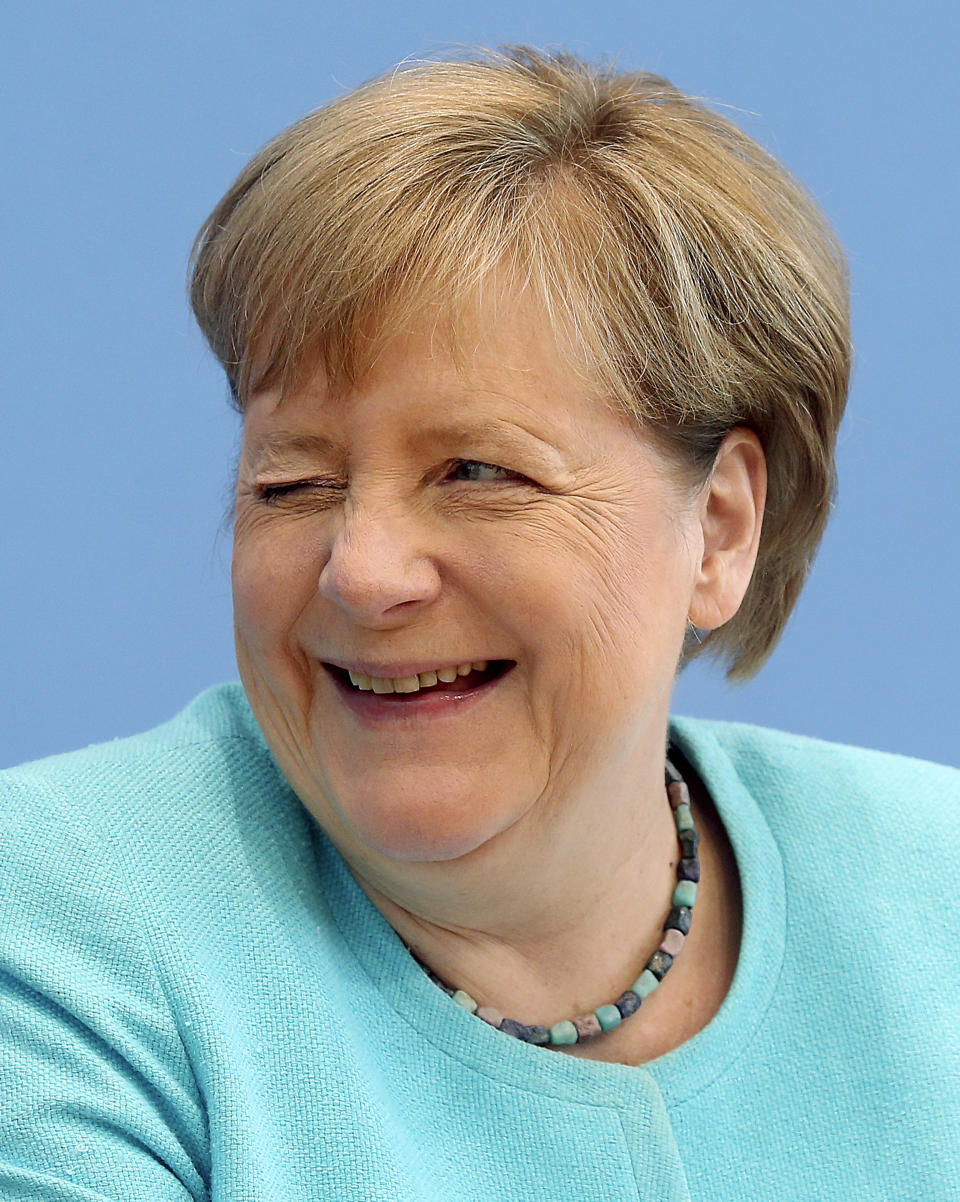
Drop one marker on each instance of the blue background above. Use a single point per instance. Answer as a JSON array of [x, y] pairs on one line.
[[122, 123]]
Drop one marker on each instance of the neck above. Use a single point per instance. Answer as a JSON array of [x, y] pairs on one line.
[[554, 916]]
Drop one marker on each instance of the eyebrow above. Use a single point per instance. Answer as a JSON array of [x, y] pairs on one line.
[[497, 431], [281, 446]]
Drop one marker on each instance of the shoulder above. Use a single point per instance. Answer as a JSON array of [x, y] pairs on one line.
[[103, 860], [794, 775], [195, 753], [858, 832], [171, 811], [848, 822], [145, 832], [219, 714]]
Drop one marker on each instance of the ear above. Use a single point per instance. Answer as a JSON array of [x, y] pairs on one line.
[[731, 513]]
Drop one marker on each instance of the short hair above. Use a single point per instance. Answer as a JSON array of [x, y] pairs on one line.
[[698, 282]]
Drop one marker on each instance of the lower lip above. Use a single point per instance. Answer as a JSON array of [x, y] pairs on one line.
[[377, 709]]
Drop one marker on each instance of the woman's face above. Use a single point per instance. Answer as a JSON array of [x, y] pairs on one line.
[[434, 517]]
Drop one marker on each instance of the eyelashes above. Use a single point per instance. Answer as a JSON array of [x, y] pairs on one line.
[[473, 470], [273, 494]]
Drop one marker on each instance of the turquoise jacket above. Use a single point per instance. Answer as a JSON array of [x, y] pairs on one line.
[[198, 1002]]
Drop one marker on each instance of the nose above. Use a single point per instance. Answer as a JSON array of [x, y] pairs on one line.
[[377, 570]]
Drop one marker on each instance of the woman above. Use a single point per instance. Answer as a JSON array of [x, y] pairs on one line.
[[540, 368]]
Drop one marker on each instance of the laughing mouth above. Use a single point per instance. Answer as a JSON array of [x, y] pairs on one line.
[[458, 678]]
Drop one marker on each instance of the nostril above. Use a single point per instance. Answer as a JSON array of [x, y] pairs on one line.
[[377, 572]]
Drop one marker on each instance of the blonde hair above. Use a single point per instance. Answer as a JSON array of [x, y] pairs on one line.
[[693, 276]]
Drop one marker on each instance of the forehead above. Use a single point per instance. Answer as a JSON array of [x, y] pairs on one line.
[[493, 328], [502, 377]]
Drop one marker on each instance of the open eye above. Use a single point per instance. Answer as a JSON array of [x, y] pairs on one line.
[[477, 471]]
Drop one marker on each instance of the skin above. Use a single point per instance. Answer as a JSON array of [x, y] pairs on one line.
[[522, 847]]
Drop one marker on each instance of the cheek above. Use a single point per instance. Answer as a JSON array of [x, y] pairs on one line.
[[645, 583], [272, 579], [605, 582]]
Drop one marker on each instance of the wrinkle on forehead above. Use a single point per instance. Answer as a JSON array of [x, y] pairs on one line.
[[279, 447], [462, 328]]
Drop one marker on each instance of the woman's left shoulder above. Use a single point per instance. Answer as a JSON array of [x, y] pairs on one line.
[[801, 781], [863, 840]]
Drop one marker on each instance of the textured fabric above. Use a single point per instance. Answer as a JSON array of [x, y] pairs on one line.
[[198, 1002]]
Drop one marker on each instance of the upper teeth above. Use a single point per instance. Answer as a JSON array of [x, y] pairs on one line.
[[413, 684]]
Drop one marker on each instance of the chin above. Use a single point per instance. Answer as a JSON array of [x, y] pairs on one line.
[[421, 829]]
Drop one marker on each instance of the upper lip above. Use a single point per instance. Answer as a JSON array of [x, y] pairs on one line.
[[400, 668]]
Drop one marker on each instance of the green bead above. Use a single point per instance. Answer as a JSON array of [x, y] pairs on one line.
[[608, 1017], [685, 893], [645, 984], [465, 1001], [683, 818], [563, 1033]]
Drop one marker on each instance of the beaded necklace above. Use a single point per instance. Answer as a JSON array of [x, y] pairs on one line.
[[675, 930]]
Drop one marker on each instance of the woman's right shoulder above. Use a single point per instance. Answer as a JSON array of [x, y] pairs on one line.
[[105, 782], [218, 713], [141, 833], [189, 802], [104, 854]]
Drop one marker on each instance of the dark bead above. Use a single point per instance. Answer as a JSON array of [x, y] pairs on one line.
[[517, 1030], [689, 842], [689, 870], [679, 919], [659, 962], [538, 1035], [627, 1003], [588, 1026]]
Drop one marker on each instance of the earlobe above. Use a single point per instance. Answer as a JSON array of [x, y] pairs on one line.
[[731, 516]]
